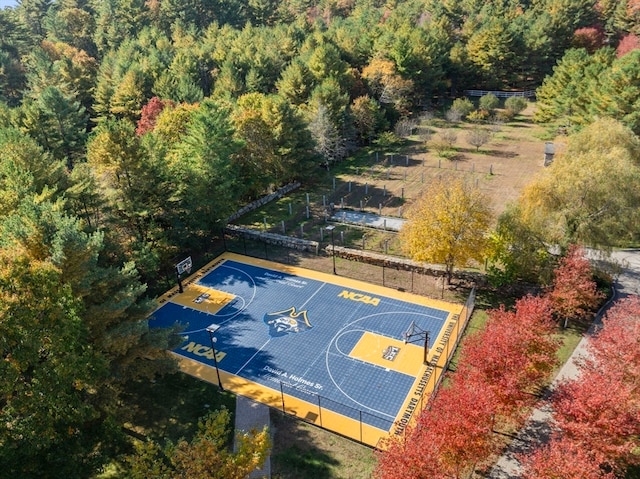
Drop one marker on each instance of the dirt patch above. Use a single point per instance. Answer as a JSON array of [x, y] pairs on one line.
[[387, 182], [500, 168]]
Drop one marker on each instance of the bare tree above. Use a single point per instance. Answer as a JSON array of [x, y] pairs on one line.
[[478, 137], [449, 136], [405, 127], [453, 115], [329, 143]]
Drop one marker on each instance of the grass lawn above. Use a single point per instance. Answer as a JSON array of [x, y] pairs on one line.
[[302, 450]]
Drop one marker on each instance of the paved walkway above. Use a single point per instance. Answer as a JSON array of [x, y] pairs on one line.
[[253, 415], [537, 430]]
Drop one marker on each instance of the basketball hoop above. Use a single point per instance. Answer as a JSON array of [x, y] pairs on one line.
[[415, 334], [182, 267]]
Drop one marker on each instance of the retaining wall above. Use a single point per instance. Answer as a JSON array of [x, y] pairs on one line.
[[254, 205], [378, 259], [274, 239]]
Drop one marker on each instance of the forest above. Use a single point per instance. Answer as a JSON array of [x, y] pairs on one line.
[[130, 130]]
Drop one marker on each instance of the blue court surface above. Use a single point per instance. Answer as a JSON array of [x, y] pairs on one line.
[[296, 334]]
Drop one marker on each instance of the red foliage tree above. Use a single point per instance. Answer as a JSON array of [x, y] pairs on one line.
[[589, 38], [628, 43], [450, 437], [574, 293], [562, 459], [498, 369], [514, 355], [149, 114], [598, 413], [617, 344]]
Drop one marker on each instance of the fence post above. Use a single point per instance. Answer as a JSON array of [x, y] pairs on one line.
[[284, 411]]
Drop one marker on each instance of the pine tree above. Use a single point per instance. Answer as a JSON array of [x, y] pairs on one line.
[[58, 123]]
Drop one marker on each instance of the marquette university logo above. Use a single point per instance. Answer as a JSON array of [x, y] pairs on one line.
[[286, 322]]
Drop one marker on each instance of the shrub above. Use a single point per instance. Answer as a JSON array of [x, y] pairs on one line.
[[516, 104], [462, 105], [453, 116], [478, 116], [489, 102], [504, 116]]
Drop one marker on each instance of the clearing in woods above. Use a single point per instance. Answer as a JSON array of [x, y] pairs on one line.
[[514, 155]]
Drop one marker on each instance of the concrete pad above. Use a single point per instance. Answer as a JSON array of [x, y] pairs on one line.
[[253, 415]]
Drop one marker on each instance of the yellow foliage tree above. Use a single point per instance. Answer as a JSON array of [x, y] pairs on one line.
[[589, 195], [206, 455], [448, 224]]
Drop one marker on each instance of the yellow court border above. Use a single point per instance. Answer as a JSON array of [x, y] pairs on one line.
[[427, 375]]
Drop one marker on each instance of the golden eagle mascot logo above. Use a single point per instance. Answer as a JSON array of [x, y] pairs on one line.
[[286, 322]]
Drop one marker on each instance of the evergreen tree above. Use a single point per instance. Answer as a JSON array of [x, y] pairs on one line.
[[201, 183], [618, 96], [49, 378], [295, 83], [26, 169], [57, 123]]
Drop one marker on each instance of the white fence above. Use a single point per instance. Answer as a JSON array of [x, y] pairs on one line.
[[501, 94]]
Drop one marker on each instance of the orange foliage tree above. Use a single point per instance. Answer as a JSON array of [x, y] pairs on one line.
[[597, 415], [574, 293]]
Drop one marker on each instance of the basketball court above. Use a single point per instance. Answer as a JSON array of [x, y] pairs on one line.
[[340, 353]]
